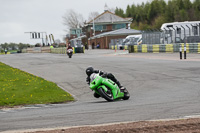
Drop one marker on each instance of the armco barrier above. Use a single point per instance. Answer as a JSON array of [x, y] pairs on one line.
[[116, 47], [60, 50], [168, 48], [63, 50], [36, 50]]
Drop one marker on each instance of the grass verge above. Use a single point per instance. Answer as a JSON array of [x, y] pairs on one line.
[[4, 53], [21, 88]]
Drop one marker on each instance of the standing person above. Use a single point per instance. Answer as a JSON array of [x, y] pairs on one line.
[[86, 46], [98, 46], [5, 51]]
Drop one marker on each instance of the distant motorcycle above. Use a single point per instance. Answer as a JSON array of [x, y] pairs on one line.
[[70, 53]]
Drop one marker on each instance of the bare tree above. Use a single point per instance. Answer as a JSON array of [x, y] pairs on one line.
[[73, 19], [92, 15]]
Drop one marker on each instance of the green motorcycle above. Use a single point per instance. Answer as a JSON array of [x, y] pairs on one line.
[[106, 88]]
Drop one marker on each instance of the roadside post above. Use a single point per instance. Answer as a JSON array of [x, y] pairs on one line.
[[180, 52], [184, 43], [185, 50]]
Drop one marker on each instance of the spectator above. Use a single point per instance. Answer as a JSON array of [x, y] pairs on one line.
[[5, 51], [86, 46]]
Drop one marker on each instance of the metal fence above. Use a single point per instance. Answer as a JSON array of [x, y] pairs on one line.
[[152, 37], [63, 50], [116, 43], [171, 38]]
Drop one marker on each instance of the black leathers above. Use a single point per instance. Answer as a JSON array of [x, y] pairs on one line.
[[105, 75]]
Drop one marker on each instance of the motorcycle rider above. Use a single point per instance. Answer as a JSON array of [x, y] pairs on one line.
[[90, 70], [69, 47], [69, 50]]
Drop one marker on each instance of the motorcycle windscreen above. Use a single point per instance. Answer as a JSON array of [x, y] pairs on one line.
[[92, 77]]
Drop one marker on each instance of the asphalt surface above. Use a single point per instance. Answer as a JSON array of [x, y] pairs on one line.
[[161, 86]]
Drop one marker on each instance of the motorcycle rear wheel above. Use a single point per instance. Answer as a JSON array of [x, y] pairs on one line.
[[106, 95]]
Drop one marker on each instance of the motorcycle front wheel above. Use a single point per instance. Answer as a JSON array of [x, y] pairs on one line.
[[70, 55], [126, 95], [106, 95]]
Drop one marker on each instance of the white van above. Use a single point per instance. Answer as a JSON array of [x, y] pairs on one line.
[[133, 40]]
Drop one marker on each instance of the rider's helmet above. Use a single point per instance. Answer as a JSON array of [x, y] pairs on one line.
[[89, 71]]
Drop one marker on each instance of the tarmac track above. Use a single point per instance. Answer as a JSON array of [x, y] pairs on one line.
[[161, 86]]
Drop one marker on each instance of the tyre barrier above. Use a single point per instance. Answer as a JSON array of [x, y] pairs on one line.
[[167, 48]]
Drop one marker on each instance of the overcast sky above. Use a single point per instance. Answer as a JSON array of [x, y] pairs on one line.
[[19, 16]]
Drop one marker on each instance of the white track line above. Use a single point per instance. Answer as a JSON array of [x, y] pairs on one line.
[[57, 128]]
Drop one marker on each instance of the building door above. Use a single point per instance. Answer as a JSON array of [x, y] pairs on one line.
[[93, 45]]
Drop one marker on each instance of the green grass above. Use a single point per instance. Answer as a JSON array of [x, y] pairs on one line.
[[9, 52], [12, 51], [21, 88], [4, 53]]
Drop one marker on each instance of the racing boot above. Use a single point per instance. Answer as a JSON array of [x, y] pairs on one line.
[[96, 95], [122, 88]]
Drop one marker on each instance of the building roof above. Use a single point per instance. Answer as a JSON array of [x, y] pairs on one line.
[[79, 38], [118, 32], [109, 17]]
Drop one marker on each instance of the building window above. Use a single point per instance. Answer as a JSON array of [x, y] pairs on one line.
[[98, 27], [178, 30], [104, 27], [73, 32], [118, 26], [194, 29], [78, 32], [169, 32]]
